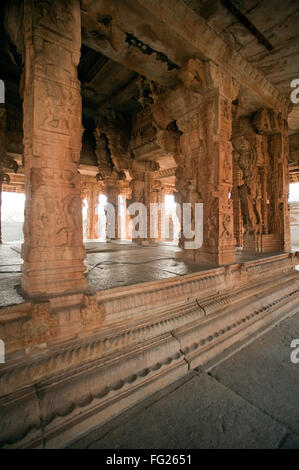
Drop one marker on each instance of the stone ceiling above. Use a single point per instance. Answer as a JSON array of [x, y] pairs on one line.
[[277, 21], [264, 32]]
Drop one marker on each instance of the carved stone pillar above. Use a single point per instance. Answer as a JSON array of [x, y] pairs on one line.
[[112, 198], [53, 251], [138, 188], [124, 219], [261, 151], [92, 213], [152, 197], [273, 126], [250, 159], [204, 172], [238, 222], [162, 214]]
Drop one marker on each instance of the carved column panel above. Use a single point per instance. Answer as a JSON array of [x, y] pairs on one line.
[[202, 111], [204, 172], [249, 162], [216, 174], [161, 201], [238, 222], [273, 126], [53, 252], [112, 198], [92, 213], [261, 149], [138, 188]]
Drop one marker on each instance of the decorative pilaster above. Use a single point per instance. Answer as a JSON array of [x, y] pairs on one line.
[[274, 126], [112, 198], [53, 251], [204, 172], [238, 222], [261, 151], [138, 188]]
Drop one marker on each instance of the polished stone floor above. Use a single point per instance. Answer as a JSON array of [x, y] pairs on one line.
[[248, 400], [109, 264]]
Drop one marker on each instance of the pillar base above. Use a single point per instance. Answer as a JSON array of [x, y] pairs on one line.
[[43, 279], [204, 255]]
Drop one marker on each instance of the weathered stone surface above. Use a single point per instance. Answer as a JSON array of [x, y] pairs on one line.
[[53, 252], [199, 414], [170, 106]]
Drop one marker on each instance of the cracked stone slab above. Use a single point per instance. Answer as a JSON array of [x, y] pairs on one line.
[[264, 375], [201, 413]]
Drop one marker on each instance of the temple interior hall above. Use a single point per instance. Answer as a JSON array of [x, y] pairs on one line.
[[149, 221]]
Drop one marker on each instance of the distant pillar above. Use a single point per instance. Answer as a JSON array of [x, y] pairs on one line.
[[203, 111], [92, 212]]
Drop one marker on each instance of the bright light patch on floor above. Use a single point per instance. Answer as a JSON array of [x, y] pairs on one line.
[[294, 192]]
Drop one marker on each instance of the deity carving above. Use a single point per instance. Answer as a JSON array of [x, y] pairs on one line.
[[249, 191], [193, 75]]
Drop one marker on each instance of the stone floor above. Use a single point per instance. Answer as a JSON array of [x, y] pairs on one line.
[[108, 265], [249, 400]]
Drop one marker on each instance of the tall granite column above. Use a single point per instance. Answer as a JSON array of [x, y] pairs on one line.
[[112, 198], [204, 173], [138, 187], [273, 124], [261, 153], [53, 251], [92, 212], [238, 222]]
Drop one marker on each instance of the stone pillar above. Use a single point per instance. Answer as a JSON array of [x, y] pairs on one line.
[[261, 149], [204, 172], [92, 212], [112, 198], [152, 197], [53, 251], [238, 222], [249, 161], [161, 201], [137, 186], [274, 126]]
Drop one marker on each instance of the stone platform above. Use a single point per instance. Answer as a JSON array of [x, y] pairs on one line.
[[246, 400], [110, 265], [75, 361]]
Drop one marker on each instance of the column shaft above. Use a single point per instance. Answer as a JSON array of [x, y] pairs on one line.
[[53, 251]]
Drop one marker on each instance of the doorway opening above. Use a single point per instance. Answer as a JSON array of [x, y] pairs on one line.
[[12, 217]]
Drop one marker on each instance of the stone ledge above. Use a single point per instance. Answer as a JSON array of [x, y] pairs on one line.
[[76, 388]]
